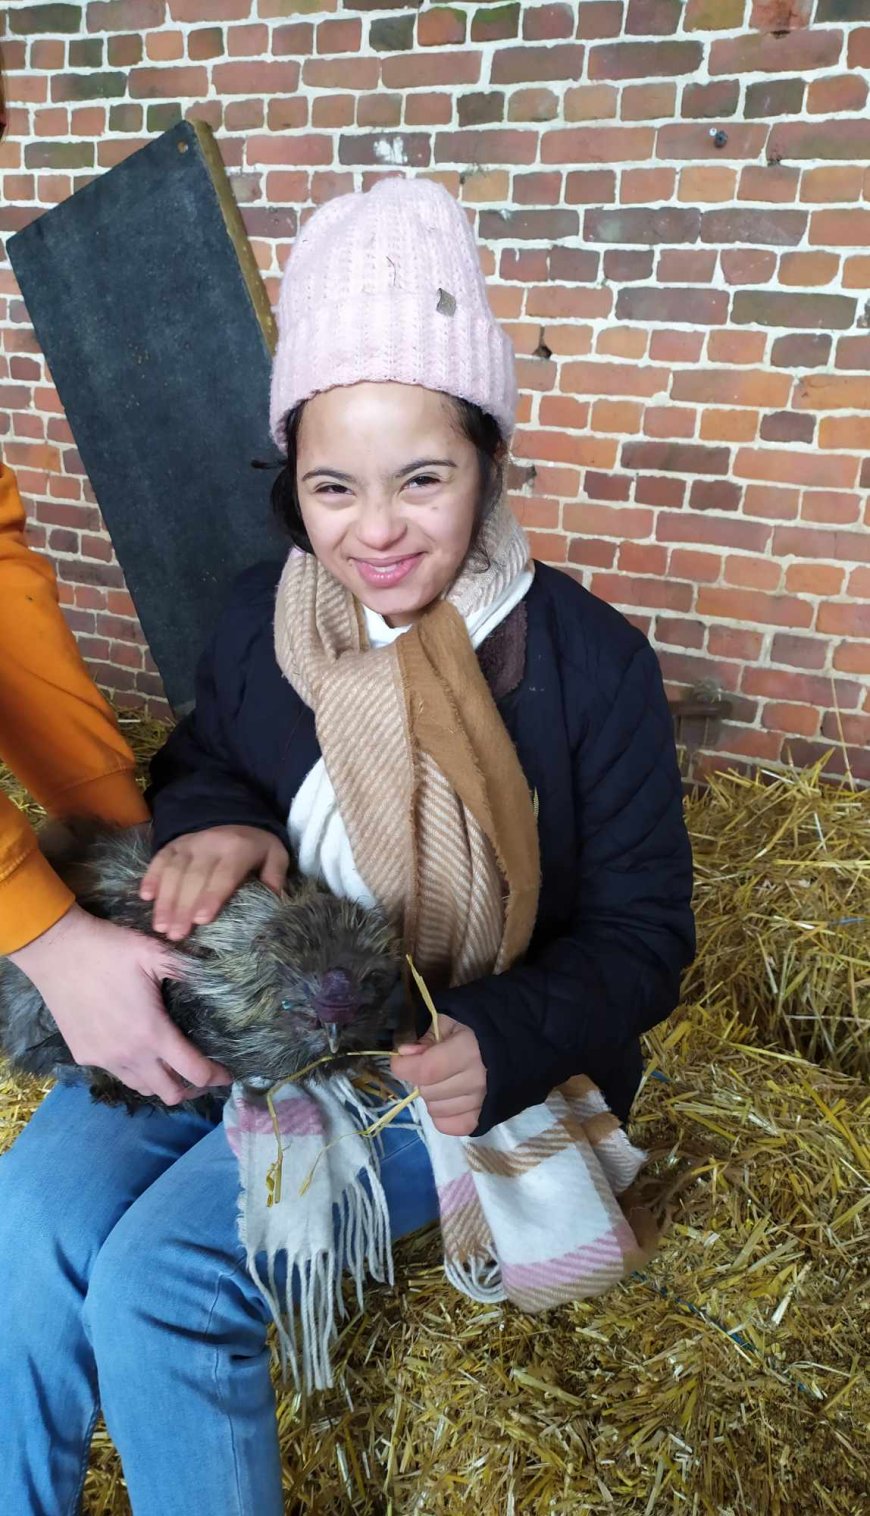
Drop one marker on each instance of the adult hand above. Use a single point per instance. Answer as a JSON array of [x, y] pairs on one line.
[[101, 983], [449, 1074], [191, 878]]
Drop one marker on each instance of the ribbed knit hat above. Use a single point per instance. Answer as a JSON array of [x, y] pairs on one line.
[[387, 285]]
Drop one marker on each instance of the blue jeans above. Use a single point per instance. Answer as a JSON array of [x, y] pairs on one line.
[[123, 1285]]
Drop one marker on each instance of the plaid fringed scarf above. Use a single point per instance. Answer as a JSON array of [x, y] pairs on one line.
[[442, 828]]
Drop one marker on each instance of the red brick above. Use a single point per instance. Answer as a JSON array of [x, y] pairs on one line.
[[753, 573], [712, 531], [859, 47], [770, 502], [613, 379], [538, 188], [556, 301], [346, 73], [428, 110], [625, 266], [644, 60], [486, 147], [622, 417], [623, 589], [676, 347], [796, 467], [840, 228], [590, 102], [377, 110], [830, 507], [440, 27], [807, 542], [840, 182], [846, 140], [797, 53], [660, 490], [780, 15], [801, 350], [167, 83], [598, 144], [579, 265], [653, 18], [702, 568], [292, 113], [642, 558], [562, 410], [623, 522], [544, 23], [648, 102], [679, 265], [533, 105], [853, 657], [787, 426], [520, 65], [810, 270], [591, 552], [648, 225], [754, 606], [307, 148], [409, 71], [729, 346], [297, 38], [590, 187], [535, 225], [600, 18], [247, 41], [710, 100], [714, 495], [705, 183], [669, 421], [814, 579], [829, 392], [342, 36], [778, 308], [496, 23], [367, 147], [798, 652], [256, 78], [731, 386], [801, 719], [676, 457], [839, 92], [733, 642], [599, 486]]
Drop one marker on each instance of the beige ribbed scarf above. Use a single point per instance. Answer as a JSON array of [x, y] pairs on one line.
[[430, 789]]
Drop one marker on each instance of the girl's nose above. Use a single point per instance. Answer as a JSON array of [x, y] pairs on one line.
[[379, 525]]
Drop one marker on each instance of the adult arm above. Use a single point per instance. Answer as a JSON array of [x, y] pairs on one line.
[[57, 733]]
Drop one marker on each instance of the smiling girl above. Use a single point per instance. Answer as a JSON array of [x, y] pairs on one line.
[[433, 723]]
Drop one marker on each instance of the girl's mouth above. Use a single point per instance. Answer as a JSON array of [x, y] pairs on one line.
[[386, 572]]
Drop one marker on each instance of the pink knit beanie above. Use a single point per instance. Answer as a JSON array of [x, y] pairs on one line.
[[388, 285]]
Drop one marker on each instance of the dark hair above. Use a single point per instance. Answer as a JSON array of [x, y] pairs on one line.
[[476, 425]]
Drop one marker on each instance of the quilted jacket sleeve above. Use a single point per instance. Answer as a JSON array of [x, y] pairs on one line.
[[616, 971]]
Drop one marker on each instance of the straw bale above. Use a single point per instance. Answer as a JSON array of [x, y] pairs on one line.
[[782, 900], [725, 1379]]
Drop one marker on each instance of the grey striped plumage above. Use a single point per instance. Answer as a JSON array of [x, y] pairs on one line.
[[252, 995]]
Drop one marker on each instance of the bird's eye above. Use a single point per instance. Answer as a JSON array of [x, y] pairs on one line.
[[288, 1005]]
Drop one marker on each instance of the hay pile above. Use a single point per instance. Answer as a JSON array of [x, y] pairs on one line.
[[725, 1379], [782, 899]]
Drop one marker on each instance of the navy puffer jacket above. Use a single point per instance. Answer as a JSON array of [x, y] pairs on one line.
[[590, 722]]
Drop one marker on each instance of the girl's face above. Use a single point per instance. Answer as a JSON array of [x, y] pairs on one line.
[[388, 490]]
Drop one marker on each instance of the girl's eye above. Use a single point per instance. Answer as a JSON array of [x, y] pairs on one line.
[[425, 479], [331, 489]]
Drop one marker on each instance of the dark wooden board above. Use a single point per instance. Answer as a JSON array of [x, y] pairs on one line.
[[155, 324]]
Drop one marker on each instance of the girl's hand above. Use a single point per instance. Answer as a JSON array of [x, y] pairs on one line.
[[191, 878], [449, 1075]]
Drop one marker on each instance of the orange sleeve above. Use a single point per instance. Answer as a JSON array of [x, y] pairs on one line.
[[57, 733]]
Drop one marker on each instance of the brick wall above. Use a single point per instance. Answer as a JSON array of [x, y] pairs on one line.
[[673, 202]]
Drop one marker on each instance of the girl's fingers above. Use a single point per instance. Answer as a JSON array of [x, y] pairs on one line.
[[192, 886]]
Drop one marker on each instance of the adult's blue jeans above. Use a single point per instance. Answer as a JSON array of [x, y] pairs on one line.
[[123, 1285]]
